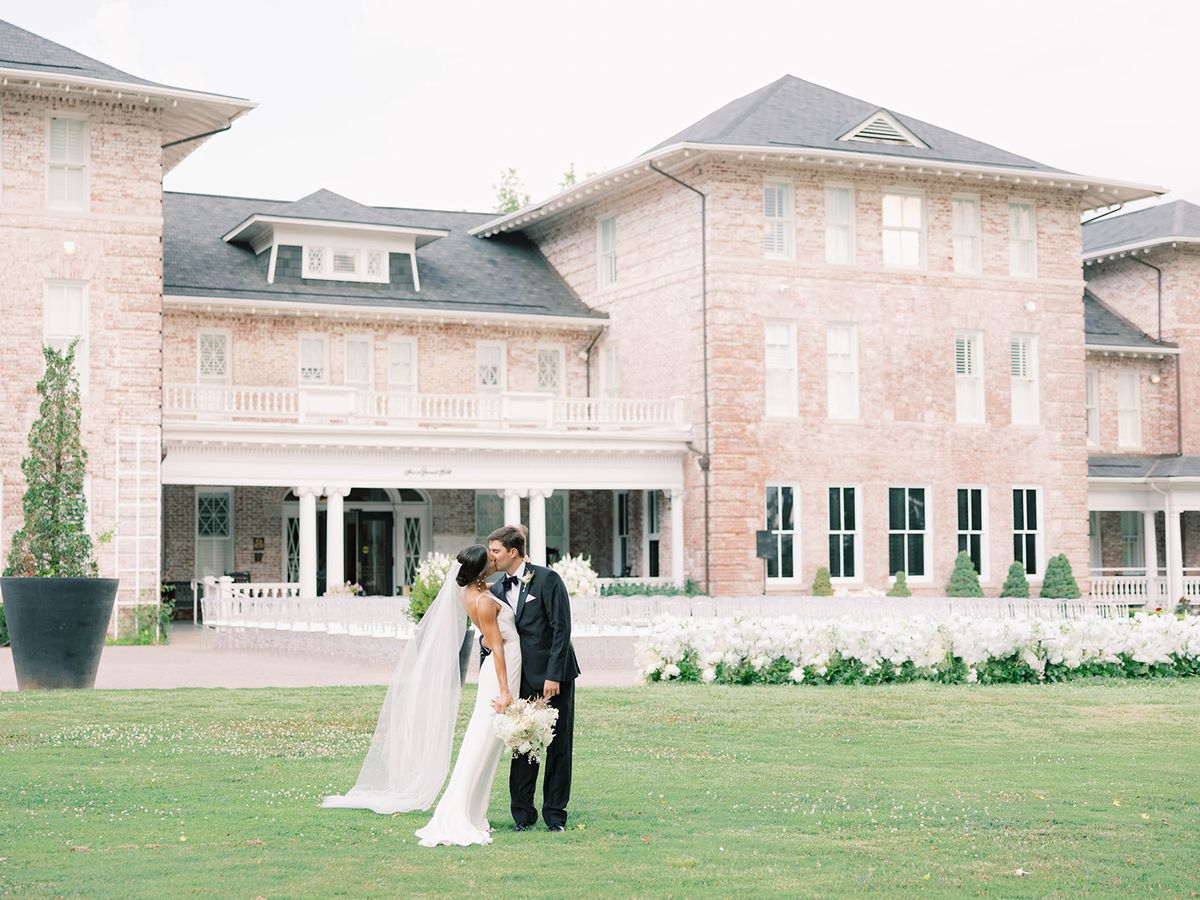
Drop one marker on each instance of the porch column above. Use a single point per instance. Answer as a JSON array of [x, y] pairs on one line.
[[1150, 556], [537, 525], [512, 507], [677, 537], [1174, 536], [335, 530], [308, 540]]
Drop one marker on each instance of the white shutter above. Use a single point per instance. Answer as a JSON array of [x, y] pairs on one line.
[[358, 360], [1092, 405], [1021, 239], [1023, 367], [968, 382], [607, 251], [1129, 409], [776, 216], [312, 360], [402, 365], [842, 371]]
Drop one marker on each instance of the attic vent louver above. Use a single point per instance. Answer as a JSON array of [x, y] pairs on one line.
[[882, 128]]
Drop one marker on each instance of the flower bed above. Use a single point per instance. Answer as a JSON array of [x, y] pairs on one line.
[[956, 649]]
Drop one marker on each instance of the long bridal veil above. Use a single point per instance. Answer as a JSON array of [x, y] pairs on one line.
[[409, 757]]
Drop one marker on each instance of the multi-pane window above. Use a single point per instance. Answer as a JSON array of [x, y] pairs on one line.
[[780, 359], [1022, 239], [1026, 528], [213, 353], [67, 179], [610, 372], [781, 514], [1092, 405], [606, 251], [1132, 547], [376, 263], [557, 522], [65, 319], [907, 531], [550, 369], [968, 377], [359, 360], [489, 514], [966, 229], [841, 348], [1129, 409], [779, 227], [653, 533], [904, 230], [214, 533], [843, 532], [402, 364], [489, 366], [970, 525], [314, 359], [1023, 368], [621, 566], [839, 224], [1096, 543]]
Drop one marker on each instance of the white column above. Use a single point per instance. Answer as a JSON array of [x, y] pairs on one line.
[[335, 530], [537, 525], [677, 538], [1150, 556], [1174, 524], [512, 506], [308, 540]]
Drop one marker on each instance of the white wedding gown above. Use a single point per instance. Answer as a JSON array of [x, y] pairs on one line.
[[461, 815]]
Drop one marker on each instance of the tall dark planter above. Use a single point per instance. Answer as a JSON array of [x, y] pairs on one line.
[[57, 628]]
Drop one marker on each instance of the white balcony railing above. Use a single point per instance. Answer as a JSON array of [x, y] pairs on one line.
[[342, 405]]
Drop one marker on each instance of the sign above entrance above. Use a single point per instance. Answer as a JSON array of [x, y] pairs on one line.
[[424, 473]]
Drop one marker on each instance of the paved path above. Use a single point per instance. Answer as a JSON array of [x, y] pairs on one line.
[[190, 661]]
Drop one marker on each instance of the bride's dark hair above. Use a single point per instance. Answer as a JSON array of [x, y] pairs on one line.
[[474, 560]]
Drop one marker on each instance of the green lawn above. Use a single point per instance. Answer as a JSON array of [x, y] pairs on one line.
[[1090, 788]]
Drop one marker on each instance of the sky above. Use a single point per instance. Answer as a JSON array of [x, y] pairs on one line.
[[424, 104]]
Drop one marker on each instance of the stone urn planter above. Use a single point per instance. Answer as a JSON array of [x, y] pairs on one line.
[[57, 628]]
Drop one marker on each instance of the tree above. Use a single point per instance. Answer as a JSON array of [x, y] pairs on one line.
[[510, 192], [1015, 585], [964, 580], [568, 179], [900, 588], [1059, 583], [822, 586]]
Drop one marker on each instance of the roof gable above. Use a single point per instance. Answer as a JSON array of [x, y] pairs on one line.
[[881, 127]]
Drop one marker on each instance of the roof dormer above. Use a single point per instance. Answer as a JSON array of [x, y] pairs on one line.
[[881, 127]]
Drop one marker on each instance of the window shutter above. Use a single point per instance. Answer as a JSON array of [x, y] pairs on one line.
[[312, 360], [1020, 358], [375, 264], [401, 368], [358, 360], [214, 357], [964, 360], [775, 214], [314, 260]]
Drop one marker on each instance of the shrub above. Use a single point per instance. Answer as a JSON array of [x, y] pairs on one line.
[[431, 574], [1015, 585], [822, 586], [1059, 583], [640, 589], [900, 588], [964, 580]]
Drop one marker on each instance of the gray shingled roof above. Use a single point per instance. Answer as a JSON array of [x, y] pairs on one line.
[[1141, 227], [458, 272], [1144, 466], [793, 112], [1103, 327]]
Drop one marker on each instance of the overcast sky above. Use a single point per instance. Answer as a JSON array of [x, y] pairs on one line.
[[423, 104]]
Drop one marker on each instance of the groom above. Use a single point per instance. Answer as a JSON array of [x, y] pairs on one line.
[[548, 668]]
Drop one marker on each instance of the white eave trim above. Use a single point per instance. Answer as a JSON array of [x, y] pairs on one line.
[[1132, 249], [1103, 191], [433, 316], [431, 234], [1116, 350], [49, 80]]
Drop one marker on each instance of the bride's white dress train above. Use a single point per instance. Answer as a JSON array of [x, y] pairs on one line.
[[461, 815]]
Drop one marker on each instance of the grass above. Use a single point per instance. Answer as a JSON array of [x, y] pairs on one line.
[[1089, 788]]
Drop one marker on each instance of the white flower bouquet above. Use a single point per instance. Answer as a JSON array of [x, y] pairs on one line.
[[347, 589], [578, 576], [526, 728]]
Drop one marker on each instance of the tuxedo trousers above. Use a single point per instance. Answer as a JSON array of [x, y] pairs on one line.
[[556, 786]]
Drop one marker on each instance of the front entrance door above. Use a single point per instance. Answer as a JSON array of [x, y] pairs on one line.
[[369, 537]]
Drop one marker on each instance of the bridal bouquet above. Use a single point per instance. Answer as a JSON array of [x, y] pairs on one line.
[[526, 727]]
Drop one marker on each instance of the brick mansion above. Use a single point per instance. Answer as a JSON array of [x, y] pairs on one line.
[[876, 339]]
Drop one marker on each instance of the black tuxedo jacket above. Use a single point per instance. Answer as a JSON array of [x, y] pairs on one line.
[[543, 618]]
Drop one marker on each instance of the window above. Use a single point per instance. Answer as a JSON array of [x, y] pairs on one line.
[[839, 224], [489, 514], [1132, 553], [1022, 239], [784, 562], [314, 359], [214, 533], [1026, 534], [966, 229], [558, 520], [779, 228], [376, 265], [904, 230], [841, 343], [843, 532], [968, 377], [360, 366], [1129, 409], [606, 241], [653, 533], [1096, 543], [621, 566], [780, 358], [610, 372], [907, 532], [345, 264], [970, 525], [1023, 366], [65, 318], [402, 364], [67, 178], [550, 369], [1092, 405], [213, 357], [489, 366]]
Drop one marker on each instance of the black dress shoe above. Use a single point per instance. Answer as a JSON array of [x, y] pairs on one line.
[[555, 828], [520, 827]]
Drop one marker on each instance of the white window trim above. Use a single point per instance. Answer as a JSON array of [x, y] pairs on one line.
[[369, 339], [797, 522], [1125, 440], [985, 556], [1034, 376], [1034, 216], [232, 538], [85, 339], [228, 335], [503, 374], [856, 415], [857, 532], [328, 274], [395, 341], [978, 234], [923, 248], [310, 335], [1040, 534], [927, 578], [853, 223], [87, 162], [602, 267], [788, 218], [648, 535], [976, 340], [1092, 411], [562, 368], [792, 404]]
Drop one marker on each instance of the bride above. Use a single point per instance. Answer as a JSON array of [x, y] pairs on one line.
[[410, 751]]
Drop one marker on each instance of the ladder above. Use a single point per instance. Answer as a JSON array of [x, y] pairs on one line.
[[137, 542]]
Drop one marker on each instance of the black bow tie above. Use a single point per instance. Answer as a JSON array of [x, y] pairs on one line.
[[509, 581]]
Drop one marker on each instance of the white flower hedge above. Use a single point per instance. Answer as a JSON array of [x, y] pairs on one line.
[[957, 649]]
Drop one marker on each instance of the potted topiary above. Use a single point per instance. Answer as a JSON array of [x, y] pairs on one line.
[[57, 609], [964, 580]]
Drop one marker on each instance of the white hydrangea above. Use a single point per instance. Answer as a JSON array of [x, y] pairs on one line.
[[434, 568], [578, 576]]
